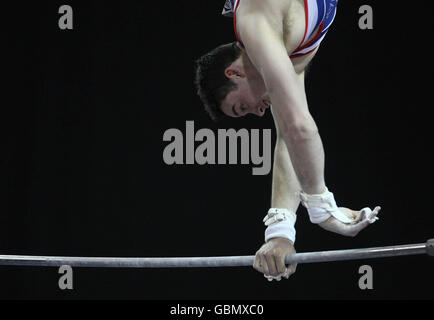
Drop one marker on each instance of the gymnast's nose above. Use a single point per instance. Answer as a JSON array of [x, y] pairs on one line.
[[261, 107], [260, 111]]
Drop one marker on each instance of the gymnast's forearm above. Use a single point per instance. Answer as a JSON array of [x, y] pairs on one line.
[[285, 186], [307, 155], [305, 147]]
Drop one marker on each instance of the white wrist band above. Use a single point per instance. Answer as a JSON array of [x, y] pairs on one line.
[[322, 206], [280, 224]]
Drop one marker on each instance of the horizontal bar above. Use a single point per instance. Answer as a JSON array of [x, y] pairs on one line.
[[211, 262]]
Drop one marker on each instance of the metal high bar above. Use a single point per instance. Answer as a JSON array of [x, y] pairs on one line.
[[213, 262]]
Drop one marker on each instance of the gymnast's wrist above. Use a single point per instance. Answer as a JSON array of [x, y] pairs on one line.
[[280, 224], [281, 241], [323, 206]]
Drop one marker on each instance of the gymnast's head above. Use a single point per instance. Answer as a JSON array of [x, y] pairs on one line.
[[228, 84]]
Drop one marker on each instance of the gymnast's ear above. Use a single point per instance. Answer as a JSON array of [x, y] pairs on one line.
[[234, 72]]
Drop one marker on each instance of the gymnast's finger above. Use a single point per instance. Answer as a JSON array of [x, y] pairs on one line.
[[261, 263], [280, 263], [271, 263]]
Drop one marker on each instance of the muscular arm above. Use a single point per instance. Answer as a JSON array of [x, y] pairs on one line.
[[265, 48], [285, 187], [285, 194]]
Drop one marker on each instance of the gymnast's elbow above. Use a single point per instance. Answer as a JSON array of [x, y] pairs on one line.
[[303, 128]]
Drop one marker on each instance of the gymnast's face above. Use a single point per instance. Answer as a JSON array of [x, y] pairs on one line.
[[250, 97]]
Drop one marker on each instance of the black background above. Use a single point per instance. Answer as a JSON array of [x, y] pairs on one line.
[[84, 112]]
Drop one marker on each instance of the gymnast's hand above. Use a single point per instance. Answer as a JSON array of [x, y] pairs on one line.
[[270, 259], [362, 219]]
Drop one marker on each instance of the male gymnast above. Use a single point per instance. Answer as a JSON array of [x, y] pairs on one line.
[[264, 68]]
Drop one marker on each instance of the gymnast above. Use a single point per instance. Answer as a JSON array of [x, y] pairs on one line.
[[265, 69]]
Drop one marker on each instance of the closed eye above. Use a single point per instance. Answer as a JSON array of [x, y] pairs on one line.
[[234, 111]]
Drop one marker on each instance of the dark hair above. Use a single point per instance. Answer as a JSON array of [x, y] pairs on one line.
[[211, 83]]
